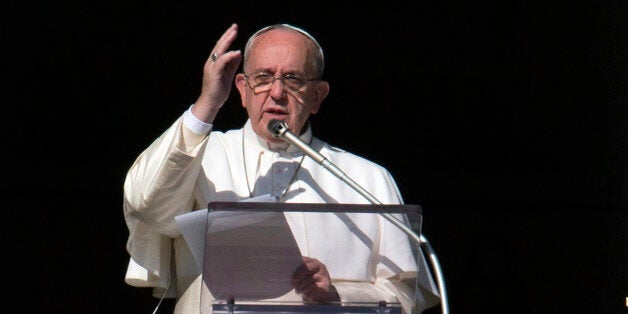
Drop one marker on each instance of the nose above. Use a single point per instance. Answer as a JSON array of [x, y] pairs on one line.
[[277, 90]]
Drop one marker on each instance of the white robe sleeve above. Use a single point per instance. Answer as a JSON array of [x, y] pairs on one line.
[[158, 186]]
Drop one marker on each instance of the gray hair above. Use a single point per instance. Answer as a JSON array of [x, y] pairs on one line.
[[319, 57]]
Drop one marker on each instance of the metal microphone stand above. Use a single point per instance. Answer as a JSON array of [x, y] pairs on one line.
[[280, 130]]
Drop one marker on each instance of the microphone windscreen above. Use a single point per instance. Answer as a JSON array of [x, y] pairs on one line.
[[277, 127]]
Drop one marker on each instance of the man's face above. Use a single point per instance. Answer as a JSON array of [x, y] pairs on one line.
[[279, 53]]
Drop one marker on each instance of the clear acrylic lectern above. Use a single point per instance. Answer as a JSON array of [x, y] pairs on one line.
[[250, 255]]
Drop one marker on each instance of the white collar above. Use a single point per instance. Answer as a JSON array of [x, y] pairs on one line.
[[251, 137]]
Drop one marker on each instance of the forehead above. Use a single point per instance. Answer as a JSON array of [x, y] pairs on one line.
[[280, 48]]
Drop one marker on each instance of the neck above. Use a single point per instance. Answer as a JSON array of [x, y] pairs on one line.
[[276, 146]]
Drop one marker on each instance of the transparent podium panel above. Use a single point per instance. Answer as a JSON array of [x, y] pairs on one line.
[[252, 251], [228, 307]]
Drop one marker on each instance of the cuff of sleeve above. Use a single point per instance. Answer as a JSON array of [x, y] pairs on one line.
[[194, 124]]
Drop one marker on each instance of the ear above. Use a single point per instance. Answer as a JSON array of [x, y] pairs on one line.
[[240, 82], [322, 89]]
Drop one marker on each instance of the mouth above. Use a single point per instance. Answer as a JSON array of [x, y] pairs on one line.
[[276, 114]]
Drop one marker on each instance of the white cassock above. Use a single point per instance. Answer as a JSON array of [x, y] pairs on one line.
[[183, 170]]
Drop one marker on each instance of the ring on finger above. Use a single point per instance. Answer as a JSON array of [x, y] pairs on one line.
[[213, 57]]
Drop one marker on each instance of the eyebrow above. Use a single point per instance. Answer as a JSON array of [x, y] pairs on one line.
[[267, 71]]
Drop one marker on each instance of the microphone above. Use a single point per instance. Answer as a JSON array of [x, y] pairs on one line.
[[279, 129]]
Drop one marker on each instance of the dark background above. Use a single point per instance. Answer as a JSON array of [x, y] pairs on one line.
[[505, 120]]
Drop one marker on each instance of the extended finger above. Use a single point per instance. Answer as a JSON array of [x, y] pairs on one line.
[[225, 41]]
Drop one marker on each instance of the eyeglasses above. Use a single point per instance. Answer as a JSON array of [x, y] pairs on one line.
[[263, 82]]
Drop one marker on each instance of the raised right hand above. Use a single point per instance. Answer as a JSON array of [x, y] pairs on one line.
[[218, 77]]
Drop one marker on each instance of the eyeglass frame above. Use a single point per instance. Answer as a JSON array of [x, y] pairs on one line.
[[280, 78]]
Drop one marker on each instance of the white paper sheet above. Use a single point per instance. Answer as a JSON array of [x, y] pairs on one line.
[[245, 255], [193, 227]]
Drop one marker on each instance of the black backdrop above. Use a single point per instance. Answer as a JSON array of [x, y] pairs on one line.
[[505, 120]]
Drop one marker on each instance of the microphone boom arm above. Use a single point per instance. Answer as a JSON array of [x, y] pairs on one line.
[[279, 129]]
